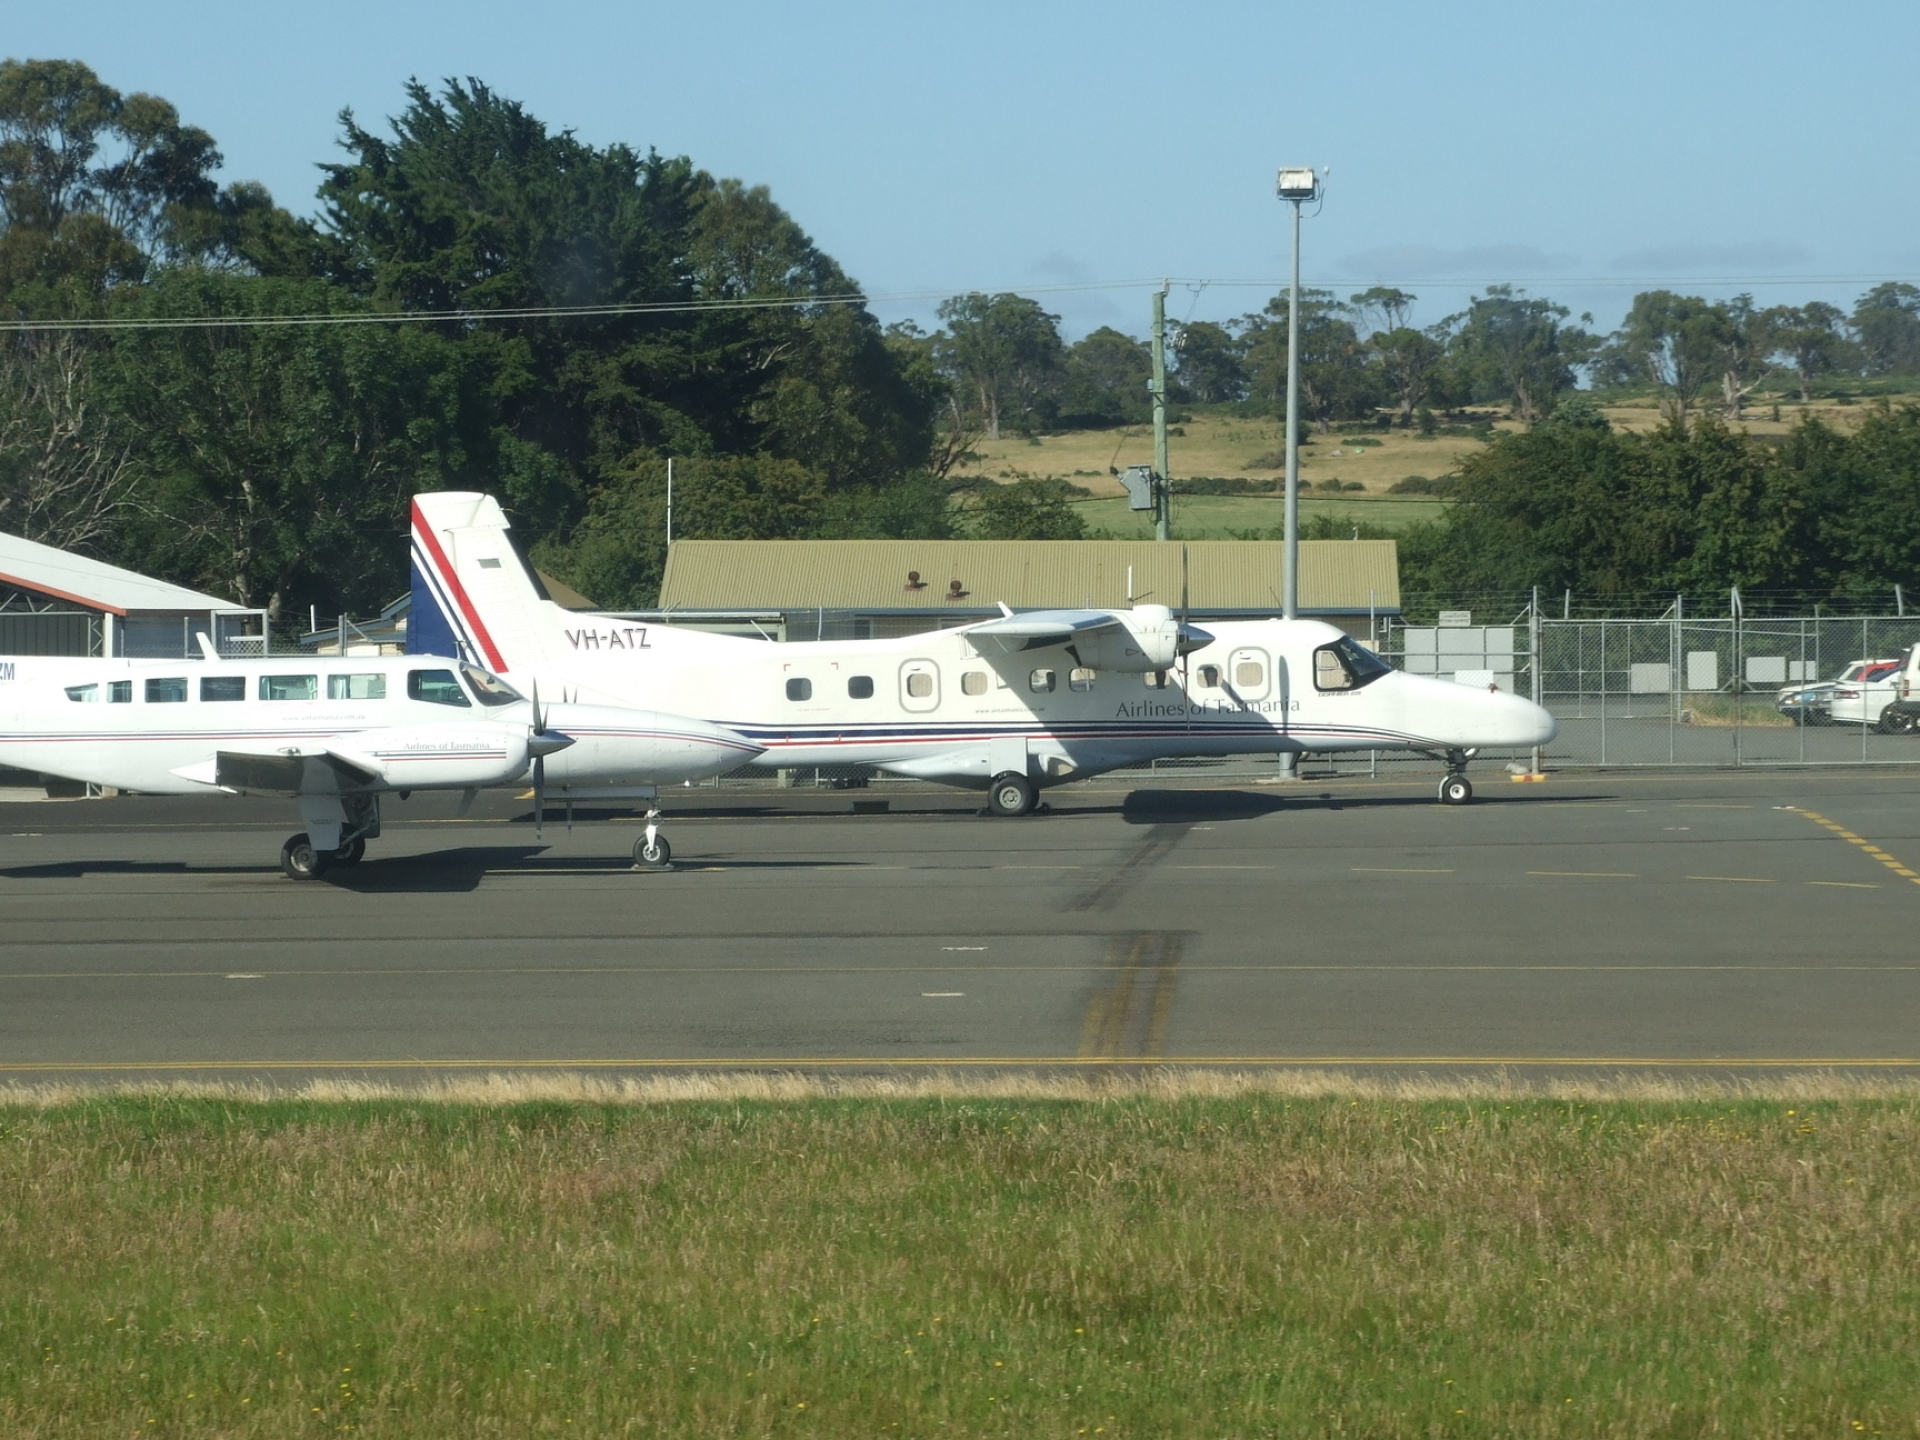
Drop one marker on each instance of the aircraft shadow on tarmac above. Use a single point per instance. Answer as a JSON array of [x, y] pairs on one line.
[[1172, 807]]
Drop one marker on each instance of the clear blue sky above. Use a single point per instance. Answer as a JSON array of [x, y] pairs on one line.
[[996, 145]]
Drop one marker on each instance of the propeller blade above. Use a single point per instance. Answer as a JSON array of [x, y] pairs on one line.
[[539, 798], [539, 716]]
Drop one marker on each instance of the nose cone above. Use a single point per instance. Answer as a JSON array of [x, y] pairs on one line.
[[1529, 723]]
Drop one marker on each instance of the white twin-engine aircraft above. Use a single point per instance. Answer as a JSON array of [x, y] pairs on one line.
[[335, 734], [1006, 705]]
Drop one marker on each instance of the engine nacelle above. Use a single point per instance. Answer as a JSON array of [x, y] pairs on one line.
[[1147, 639], [462, 755]]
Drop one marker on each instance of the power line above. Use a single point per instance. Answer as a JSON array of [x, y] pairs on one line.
[[801, 302]]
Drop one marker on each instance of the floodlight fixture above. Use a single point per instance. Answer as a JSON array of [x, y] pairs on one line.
[[1298, 185]]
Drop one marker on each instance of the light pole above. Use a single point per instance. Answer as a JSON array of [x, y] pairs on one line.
[[1296, 187]]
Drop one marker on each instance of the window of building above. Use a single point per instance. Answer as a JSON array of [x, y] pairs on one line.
[[973, 682], [437, 687], [1154, 679], [356, 687], [1040, 681], [1080, 678], [799, 688], [860, 687], [1346, 664], [919, 685], [84, 694], [120, 692], [1208, 676], [223, 687], [1250, 675], [170, 691], [291, 687]]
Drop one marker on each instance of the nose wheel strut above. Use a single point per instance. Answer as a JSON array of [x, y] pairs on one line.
[[1455, 788], [651, 851]]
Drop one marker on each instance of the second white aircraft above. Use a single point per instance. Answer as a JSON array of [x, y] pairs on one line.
[[1008, 705]]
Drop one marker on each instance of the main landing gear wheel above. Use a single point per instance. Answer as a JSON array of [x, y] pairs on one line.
[[652, 853], [300, 860], [349, 853], [1455, 790], [1010, 794]]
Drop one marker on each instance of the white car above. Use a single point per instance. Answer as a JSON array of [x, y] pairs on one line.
[[1863, 690]]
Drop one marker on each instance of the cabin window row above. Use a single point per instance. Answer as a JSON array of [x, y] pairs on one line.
[[1249, 675], [434, 687]]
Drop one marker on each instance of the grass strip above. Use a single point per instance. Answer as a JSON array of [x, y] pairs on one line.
[[1219, 1256]]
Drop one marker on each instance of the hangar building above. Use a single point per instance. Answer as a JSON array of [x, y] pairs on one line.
[[857, 589], [56, 603]]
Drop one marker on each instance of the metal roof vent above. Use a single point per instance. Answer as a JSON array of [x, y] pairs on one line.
[[914, 582], [956, 591]]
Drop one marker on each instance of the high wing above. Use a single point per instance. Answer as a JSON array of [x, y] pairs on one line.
[[1147, 637], [1036, 629]]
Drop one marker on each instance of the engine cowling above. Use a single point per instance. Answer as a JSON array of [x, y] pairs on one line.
[[474, 754], [1147, 638]]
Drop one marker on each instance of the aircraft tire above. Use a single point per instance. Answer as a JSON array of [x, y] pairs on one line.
[[1455, 790], [349, 853], [1010, 794], [655, 856], [300, 860]]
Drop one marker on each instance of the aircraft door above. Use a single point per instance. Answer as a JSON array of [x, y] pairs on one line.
[[919, 686], [1248, 674]]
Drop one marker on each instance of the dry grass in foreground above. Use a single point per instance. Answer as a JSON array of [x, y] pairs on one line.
[[1198, 1255]]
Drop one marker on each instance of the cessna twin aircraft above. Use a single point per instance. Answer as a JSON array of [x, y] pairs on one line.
[[335, 734], [1006, 705]]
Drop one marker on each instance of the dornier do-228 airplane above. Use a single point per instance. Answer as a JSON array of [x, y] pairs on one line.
[[1008, 705], [334, 734]]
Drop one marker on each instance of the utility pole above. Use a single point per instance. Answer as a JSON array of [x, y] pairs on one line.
[[1296, 187], [669, 502], [1162, 512]]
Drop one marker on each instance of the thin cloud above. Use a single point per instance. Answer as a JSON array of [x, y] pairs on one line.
[[1750, 257], [1059, 268], [1416, 262]]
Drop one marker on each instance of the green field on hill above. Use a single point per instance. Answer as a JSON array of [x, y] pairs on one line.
[[1202, 1258]]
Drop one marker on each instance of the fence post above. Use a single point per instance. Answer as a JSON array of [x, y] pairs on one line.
[[1533, 660]]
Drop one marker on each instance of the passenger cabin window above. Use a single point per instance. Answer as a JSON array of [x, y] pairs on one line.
[[973, 682], [356, 687], [289, 687], [1040, 682], [919, 685], [1080, 678], [1154, 679], [860, 687], [488, 688], [436, 687], [1209, 676], [170, 691], [799, 688], [1249, 675], [1346, 664], [84, 694], [120, 692], [223, 687]]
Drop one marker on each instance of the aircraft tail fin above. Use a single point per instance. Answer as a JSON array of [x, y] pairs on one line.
[[474, 598]]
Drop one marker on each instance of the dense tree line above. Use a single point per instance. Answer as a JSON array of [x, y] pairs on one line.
[[168, 428]]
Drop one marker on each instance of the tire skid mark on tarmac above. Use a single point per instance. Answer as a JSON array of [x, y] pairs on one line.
[[1127, 1012], [1156, 845]]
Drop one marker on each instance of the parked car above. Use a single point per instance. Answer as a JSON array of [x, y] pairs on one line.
[[1859, 700], [1812, 704], [1901, 716]]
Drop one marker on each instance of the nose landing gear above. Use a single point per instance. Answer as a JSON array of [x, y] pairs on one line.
[[651, 851], [1455, 788]]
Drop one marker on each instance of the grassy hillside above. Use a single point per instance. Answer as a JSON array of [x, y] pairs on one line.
[[1198, 1259], [1224, 445]]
